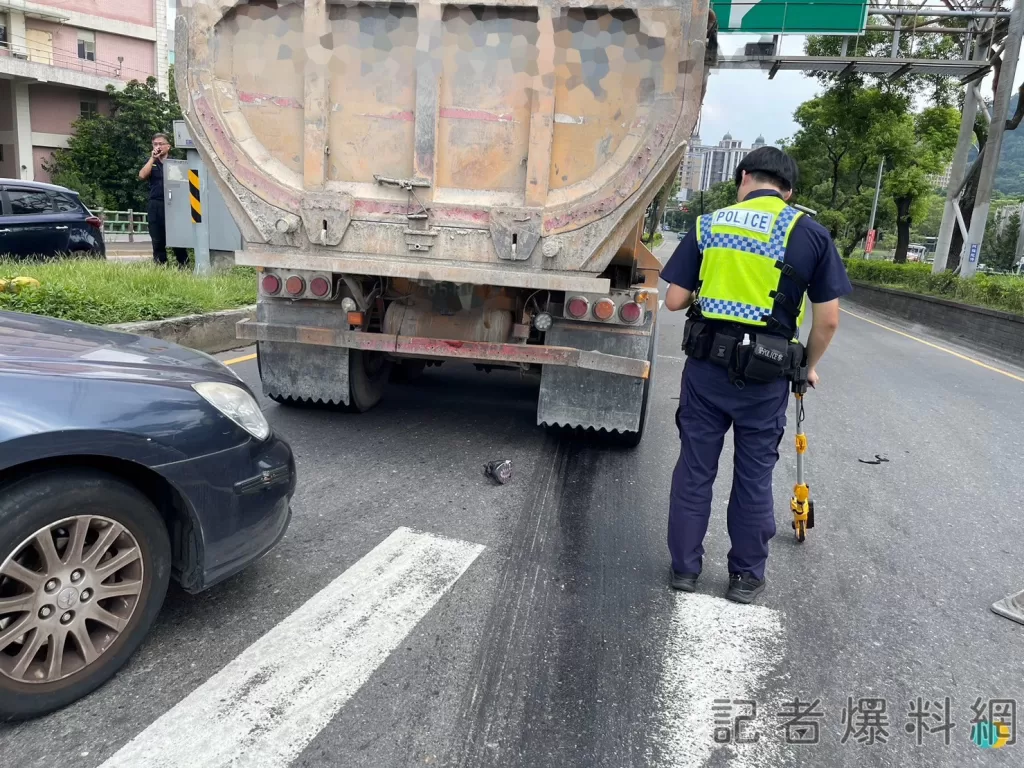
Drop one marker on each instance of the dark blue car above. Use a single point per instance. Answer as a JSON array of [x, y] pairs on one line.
[[124, 461], [43, 220]]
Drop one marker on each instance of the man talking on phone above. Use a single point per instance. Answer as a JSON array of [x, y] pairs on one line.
[[154, 171]]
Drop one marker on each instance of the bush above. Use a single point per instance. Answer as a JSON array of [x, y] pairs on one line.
[[103, 292], [1005, 292]]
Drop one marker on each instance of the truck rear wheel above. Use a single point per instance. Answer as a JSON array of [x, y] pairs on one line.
[[367, 376], [632, 439]]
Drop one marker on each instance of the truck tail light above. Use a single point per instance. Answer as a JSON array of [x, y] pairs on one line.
[[577, 307], [630, 312], [271, 284], [295, 285], [319, 286], [604, 309]]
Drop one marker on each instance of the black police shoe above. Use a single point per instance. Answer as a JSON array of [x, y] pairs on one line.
[[684, 582], [743, 588]]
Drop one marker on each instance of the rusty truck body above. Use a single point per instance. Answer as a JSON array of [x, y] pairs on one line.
[[422, 181]]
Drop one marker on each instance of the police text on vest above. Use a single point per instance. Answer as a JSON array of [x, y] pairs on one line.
[[753, 221]]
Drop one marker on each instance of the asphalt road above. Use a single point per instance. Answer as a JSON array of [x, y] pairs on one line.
[[540, 630]]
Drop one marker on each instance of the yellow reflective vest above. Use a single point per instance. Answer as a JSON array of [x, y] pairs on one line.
[[743, 247]]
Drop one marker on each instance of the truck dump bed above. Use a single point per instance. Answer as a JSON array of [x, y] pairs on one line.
[[495, 144]]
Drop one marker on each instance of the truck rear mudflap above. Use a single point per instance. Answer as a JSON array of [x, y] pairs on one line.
[[279, 334], [597, 399]]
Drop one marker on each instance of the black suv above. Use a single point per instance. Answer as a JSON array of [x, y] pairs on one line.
[[44, 220]]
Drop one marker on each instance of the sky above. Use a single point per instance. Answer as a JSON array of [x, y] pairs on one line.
[[745, 103]]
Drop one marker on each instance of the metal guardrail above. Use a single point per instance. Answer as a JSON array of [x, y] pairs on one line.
[[128, 223]]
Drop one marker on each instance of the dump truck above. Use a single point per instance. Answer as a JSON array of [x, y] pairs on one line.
[[421, 182]]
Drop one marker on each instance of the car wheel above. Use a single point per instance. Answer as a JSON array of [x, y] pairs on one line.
[[84, 565]]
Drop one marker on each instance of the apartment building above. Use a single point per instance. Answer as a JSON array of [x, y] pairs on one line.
[[690, 168], [57, 58], [720, 162], [704, 166]]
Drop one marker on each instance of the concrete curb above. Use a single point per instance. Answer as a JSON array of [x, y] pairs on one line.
[[210, 332], [1000, 334]]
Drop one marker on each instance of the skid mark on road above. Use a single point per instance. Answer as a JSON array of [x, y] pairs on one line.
[[717, 650], [265, 706]]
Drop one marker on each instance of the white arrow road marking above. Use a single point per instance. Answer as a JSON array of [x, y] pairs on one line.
[[266, 705], [718, 650]]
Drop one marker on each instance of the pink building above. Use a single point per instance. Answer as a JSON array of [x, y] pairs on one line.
[[56, 59]]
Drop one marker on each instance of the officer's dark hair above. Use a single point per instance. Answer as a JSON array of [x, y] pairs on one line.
[[769, 165], [163, 136]]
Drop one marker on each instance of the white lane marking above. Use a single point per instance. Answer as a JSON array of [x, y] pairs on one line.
[[266, 705], [661, 303], [672, 357], [717, 650]]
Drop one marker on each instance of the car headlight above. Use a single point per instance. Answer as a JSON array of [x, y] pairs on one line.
[[237, 404]]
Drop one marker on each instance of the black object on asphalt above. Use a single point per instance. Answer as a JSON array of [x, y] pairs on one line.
[[500, 471], [878, 460]]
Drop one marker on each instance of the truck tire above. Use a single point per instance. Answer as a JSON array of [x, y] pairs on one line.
[[368, 374], [632, 439], [54, 585]]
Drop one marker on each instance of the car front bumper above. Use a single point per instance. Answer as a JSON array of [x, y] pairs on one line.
[[238, 501]]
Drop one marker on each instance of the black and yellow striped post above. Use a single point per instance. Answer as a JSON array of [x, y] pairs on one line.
[[193, 193]]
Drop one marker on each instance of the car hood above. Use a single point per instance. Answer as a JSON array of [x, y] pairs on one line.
[[32, 344]]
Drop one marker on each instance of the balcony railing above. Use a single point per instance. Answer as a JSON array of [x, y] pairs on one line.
[[31, 50]]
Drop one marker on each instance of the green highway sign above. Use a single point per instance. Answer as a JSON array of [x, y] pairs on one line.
[[805, 17]]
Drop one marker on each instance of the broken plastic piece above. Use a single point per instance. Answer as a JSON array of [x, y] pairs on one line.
[[878, 460], [500, 471]]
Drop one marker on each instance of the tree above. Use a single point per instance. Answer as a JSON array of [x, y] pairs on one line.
[[718, 196], [103, 156], [999, 248], [838, 159], [844, 134], [656, 210], [915, 147]]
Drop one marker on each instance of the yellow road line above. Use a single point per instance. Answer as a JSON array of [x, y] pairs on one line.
[[948, 351], [242, 359]]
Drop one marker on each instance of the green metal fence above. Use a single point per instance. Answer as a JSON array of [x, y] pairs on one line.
[[129, 223]]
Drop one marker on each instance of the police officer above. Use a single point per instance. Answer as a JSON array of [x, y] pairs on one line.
[[743, 272]]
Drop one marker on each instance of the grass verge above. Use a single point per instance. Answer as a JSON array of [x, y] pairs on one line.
[[1005, 292], [102, 292]]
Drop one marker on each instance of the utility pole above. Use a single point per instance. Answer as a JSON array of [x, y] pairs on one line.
[[958, 170], [878, 191], [994, 145]]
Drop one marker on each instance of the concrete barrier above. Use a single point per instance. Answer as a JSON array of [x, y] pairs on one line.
[[210, 332], [1001, 334]]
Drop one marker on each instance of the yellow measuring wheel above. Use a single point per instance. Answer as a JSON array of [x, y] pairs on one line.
[[801, 504]]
